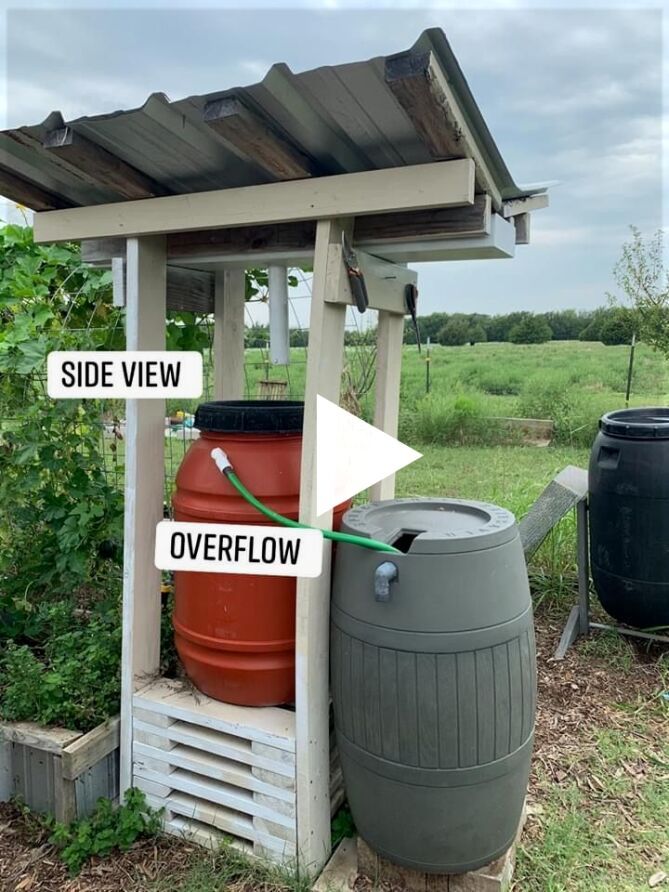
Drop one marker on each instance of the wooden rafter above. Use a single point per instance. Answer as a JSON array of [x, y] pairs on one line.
[[257, 139], [29, 194], [421, 88], [99, 166]]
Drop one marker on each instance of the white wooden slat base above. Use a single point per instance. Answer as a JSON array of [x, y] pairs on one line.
[[220, 770]]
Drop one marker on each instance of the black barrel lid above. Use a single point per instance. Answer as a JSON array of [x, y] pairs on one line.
[[251, 417], [433, 526], [646, 423]]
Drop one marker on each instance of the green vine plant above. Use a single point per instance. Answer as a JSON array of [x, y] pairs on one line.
[[108, 829], [61, 511]]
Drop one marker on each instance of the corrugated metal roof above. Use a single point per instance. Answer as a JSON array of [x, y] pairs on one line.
[[344, 118]]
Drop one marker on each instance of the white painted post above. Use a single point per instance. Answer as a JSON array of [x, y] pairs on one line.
[[144, 485], [229, 298], [279, 333], [312, 702], [390, 334]]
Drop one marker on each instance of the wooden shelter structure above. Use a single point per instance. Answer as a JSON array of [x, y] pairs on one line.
[[181, 197]]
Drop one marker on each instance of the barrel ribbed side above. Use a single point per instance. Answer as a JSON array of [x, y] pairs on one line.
[[435, 710]]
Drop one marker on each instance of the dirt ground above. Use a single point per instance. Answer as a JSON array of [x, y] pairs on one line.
[[578, 696]]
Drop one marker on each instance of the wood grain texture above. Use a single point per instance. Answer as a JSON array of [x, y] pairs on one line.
[[423, 91], [90, 748], [257, 138], [144, 480], [99, 166], [312, 702], [24, 192], [390, 334], [440, 184], [229, 309]]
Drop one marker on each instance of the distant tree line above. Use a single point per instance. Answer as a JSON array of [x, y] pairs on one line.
[[611, 325]]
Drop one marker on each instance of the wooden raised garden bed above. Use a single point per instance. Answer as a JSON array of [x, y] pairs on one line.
[[56, 771]]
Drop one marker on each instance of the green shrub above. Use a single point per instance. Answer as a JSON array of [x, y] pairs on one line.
[[71, 676], [458, 420], [107, 829], [531, 330]]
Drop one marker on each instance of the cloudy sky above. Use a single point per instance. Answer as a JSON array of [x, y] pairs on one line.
[[569, 95]]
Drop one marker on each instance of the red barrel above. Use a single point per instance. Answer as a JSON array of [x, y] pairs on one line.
[[235, 634]]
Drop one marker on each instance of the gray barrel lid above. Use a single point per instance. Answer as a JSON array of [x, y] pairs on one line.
[[433, 526]]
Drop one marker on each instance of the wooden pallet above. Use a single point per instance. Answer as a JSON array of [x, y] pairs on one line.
[[220, 770]]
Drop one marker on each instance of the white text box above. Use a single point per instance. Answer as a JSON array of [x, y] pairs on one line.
[[251, 549], [124, 374]]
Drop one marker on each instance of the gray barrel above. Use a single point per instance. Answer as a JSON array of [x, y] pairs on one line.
[[434, 680]]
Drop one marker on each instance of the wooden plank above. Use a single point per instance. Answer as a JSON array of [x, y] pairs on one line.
[[212, 766], [91, 748], [500, 242], [65, 802], [522, 224], [425, 94], [389, 338], [144, 481], [385, 283], [470, 220], [229, 308], [190, 290], [217, 792], [525, 205], [297, 239], [324, 370], [244, 241], [442, 184], [270, 724], [218, 744], [6, 759], [257, 138], [99, 166], [24, 192], [50, 740]]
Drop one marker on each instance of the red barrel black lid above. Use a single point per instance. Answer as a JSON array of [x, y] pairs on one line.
[[251, 417], [646, 423]]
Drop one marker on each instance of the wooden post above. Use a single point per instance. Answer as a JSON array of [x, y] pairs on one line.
[[144, 486], [324, 370], [229, 298], [390, 335]]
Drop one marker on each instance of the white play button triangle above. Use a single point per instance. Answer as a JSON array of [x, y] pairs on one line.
[[352, 455]]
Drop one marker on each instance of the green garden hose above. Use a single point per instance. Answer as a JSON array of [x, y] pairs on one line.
[[224, 466]]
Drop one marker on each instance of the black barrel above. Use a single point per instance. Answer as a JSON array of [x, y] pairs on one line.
[[629, 516], [433, 680]]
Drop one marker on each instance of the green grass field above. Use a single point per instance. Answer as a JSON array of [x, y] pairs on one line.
[[571, 382]]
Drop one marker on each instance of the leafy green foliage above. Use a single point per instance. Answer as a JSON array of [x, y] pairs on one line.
[[641, 275], [56, 504], [342, 825], [68, 673], [619, 327], [107, 829], [531, 330]]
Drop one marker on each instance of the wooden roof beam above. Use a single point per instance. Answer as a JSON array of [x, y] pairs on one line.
[[395, 190], [421, 88], [99, 166], [23, 191], [293, 239], [257, 139]]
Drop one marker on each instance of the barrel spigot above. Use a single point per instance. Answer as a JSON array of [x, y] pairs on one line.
[[384, 575]]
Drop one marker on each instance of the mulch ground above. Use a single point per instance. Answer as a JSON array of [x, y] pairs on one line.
[[576, 698]]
